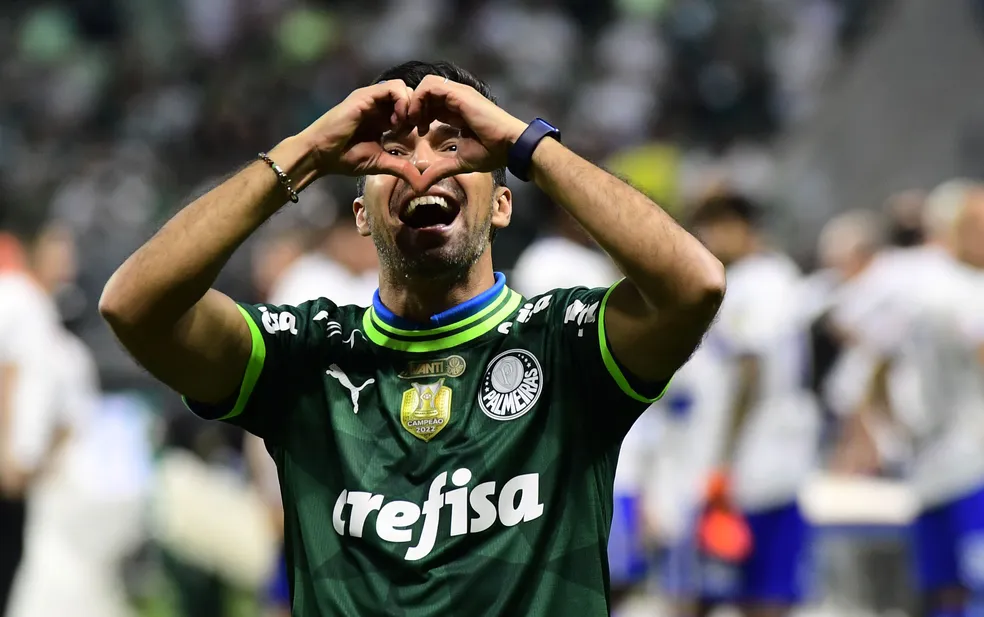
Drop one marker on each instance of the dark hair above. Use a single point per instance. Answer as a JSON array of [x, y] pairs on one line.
[[726, 206], [414, 72]]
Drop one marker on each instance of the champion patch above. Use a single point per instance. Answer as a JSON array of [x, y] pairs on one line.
[[511, 385]]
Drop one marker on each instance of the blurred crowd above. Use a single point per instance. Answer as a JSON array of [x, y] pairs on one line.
[[114, 114]]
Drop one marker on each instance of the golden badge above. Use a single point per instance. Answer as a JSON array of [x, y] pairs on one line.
[[426, 409]]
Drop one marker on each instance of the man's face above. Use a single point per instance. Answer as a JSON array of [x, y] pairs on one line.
[[727, 238], [440, 233]]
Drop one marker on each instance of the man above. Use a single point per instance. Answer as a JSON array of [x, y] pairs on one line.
[[451, 448], [29, 329], [772, 425], [929, 335]]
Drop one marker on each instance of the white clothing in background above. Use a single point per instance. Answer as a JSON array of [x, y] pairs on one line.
[[315, 276], [29, 336], [762, 316], [557, 263]]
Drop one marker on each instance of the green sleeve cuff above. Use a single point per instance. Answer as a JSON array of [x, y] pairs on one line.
[[257, 359], [614, 369]]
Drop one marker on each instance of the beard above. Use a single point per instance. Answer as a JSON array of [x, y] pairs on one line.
[[451, 260]]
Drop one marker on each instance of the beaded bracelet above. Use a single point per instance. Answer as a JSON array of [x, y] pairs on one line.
[[284, 180]]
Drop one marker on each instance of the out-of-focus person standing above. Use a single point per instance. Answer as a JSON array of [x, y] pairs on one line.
[[693, 415], [341, 263], [930, 378], [772, 426], [29, 330], [564, 256], [76, 536], [77, 531], [849, 245]]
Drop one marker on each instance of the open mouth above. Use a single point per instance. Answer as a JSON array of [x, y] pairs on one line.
[[429, 211]]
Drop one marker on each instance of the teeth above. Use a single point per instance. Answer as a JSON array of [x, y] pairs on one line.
[[428, 199]]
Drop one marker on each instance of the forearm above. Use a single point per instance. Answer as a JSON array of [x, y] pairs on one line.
[[8, 468], [744, 397], [164, 279], [667, 264]]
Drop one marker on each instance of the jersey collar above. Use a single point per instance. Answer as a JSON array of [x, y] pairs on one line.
[[451, 328]]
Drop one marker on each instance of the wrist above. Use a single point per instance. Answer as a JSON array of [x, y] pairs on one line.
[[515, 130], [546, 150], [524, 148], [297, 156]]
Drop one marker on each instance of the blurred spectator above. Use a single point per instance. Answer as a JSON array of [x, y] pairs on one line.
[[772, 433], [342, 266], [565, 256], [30, 393]]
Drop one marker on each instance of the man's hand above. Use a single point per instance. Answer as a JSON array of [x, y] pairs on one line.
[[347, 139], [487, 131]]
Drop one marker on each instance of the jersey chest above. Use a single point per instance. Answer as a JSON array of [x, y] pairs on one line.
[[483, 407]]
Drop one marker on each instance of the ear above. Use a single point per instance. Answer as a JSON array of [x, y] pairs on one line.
[[502, 208], [361, 216]]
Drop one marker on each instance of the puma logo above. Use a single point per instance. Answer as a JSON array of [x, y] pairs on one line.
[[343, 379]]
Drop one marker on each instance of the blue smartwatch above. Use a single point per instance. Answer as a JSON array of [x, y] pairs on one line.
[[521, 152]]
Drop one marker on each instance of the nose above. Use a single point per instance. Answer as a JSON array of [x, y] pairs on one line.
[[423, 155]]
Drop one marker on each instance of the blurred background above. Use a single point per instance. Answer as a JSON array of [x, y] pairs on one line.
[[113, 114]]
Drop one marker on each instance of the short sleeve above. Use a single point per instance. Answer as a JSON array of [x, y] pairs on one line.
[[283, 338], [585, 345]]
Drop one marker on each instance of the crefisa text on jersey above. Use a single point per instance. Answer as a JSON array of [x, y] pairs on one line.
[[471, 511]]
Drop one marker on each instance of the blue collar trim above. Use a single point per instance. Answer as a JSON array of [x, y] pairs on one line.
[[462, 311]]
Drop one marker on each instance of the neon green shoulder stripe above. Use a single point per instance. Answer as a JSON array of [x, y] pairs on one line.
[[487, 325], [257, 359], [447, 328], [610, 363]]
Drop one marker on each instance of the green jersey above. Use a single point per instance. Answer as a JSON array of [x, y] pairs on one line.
[[464, 469]]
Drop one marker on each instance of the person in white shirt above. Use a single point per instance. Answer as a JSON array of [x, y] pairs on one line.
[[29, 331], [564, 257], [851, 251], [79, 529], [773, 421], [342, 265], [693, 416], [929, 336]]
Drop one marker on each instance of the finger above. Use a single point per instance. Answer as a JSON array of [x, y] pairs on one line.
[[435, 107], [391, 96], [400, 168], [439, 170], [429, 96]]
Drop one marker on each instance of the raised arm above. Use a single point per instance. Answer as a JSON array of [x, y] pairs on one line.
[[160, 303], [674, 286], [654, 320]]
